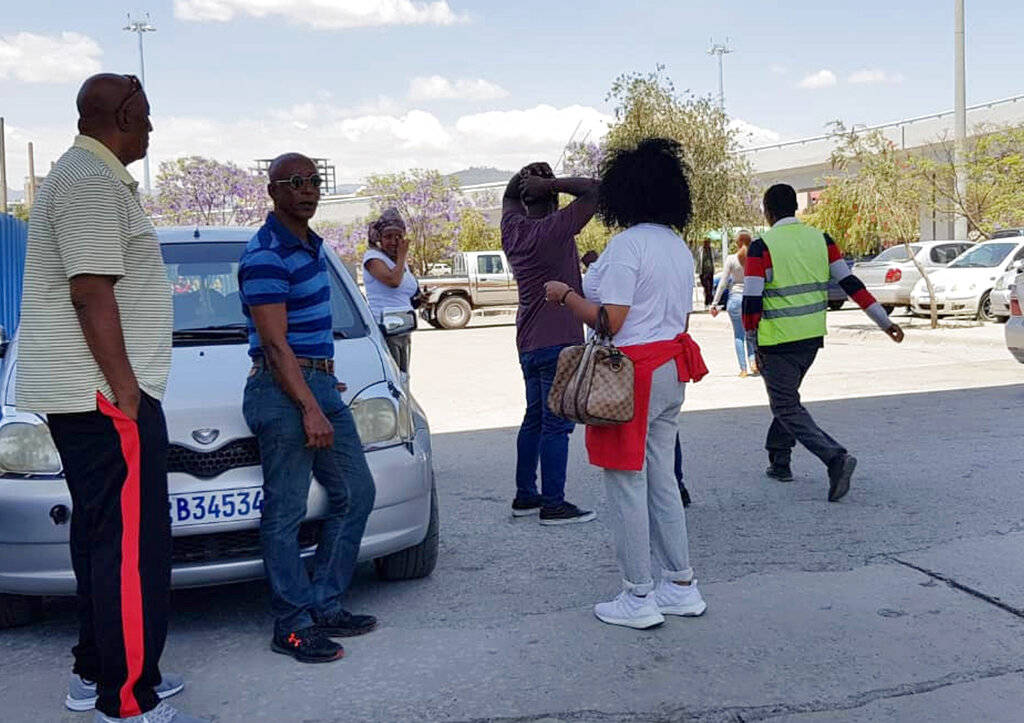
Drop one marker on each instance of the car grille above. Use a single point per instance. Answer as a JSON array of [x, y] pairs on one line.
[[204, 465], [236, 545]]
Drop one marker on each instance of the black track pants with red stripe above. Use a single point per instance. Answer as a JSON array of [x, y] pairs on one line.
[[116, 470]]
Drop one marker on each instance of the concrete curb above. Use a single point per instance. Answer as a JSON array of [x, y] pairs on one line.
[[925, 336]]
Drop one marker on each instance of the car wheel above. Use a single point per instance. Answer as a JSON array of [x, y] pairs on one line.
[[985, 308], [417, 561], [453, 312], [432, 320], [836, 305], [18, 610]]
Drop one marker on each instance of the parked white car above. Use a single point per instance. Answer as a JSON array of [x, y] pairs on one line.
[[1015, 325], [1001, 295], [891, 276], [964, 288]]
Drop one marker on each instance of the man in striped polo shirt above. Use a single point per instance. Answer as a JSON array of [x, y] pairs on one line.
[[785, 295], [94, 355], [293, 405]]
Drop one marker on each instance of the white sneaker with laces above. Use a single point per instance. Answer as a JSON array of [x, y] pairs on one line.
[[630, 610], [163, 713], [684, 600]]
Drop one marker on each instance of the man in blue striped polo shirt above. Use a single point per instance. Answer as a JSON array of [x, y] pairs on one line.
[[293, 405]]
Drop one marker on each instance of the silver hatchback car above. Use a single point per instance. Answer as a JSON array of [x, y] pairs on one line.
[[214, 474]]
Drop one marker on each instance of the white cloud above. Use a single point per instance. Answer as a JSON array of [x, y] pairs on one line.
[[63, 58], [323, 14], [752, 135], [779, 69], [821, 79], [875, 76], [436, 87]]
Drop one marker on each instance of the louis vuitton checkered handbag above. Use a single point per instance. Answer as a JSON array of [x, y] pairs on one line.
[[594, 382]]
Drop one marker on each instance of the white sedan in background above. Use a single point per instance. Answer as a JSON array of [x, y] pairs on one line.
[[964, 288]]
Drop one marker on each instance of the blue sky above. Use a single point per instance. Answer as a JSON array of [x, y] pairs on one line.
[[452, 83]]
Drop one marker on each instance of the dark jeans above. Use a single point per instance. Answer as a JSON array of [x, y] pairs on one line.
[[116, 471], [783, 372], [287, 463], [543, 437]]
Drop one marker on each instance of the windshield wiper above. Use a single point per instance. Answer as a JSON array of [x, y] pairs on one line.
[[228, 330]]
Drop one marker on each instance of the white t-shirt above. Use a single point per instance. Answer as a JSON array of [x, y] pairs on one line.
[[382, 297], [649, 269]]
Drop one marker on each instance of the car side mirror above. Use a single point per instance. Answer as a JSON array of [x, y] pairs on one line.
[[394, 323]]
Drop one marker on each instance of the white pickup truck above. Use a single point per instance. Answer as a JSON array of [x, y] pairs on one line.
[[480, 279]]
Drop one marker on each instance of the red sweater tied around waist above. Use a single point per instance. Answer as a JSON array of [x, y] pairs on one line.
[[624, 446]]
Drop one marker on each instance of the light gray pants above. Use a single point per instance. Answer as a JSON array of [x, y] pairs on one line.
[[647, 515]]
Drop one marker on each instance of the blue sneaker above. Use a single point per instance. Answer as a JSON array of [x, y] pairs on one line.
[[82, 693]]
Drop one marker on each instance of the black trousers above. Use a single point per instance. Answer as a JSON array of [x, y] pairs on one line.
[[116, 470], [401, 349], [708, 282], [783, 372]]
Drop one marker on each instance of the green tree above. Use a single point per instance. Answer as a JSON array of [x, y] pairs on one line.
[[647, 105], [874, 197], [994, 163], [476, 233]]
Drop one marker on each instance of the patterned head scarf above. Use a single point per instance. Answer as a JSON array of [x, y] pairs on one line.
[[389, 219]]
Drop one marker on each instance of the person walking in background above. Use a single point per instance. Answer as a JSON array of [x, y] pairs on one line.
[[390, 285], [95, 354], [539, 240], [732, 279], [643, 285], [293, 406], [785, 295], [706, 270]]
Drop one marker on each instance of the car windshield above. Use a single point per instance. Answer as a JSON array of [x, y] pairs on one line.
[[204, 278], [896, 253], [984, 256]]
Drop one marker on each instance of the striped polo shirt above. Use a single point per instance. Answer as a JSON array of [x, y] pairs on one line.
[[87, 220], [278, 268]]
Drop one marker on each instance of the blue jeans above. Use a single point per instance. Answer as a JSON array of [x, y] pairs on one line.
[[739, 335], [543, 437], [287, 464]]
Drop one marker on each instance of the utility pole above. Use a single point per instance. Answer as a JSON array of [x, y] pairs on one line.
[[3, 170], [960, 104], [139, 27], [722, 49]]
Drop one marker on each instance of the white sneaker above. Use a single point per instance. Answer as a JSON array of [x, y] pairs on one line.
[[684, 600], [629, 610]]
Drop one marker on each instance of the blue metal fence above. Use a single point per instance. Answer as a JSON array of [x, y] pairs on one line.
[[13, 238]]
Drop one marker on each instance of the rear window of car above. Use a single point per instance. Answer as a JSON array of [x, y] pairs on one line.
[[896, 253], [946, 253], [204, 279]]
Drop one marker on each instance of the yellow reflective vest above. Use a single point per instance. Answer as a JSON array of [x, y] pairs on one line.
[[796, 297]]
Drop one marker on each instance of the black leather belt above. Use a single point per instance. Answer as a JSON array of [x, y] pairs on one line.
[[322, 365]]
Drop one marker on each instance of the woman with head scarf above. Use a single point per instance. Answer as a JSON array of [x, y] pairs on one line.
[[390, 285]]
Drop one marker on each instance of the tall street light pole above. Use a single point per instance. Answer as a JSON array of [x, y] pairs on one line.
[[960, 104], [722, 49], [139, 27]]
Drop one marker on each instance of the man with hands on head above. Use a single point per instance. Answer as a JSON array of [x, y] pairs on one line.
[[294, 407], [539, 240]]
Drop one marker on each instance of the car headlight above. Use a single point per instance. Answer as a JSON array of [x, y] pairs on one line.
[[27, 448], [382, 421]]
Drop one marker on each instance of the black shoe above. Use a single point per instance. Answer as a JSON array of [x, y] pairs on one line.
[[523, 506], [684, 494], [344, 624], [839, 473], [565, 513], [780, 472], [308, 645]]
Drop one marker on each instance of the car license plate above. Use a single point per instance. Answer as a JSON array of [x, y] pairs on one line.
[[201, 508]]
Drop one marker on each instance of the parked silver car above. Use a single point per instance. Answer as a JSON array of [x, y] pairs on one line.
[[1015, 324], [1000, 296], [215, 481], [890, 276]]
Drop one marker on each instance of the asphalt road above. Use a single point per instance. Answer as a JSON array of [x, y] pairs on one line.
[[904, 602]]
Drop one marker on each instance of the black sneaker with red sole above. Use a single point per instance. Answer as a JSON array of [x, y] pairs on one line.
[[309, 645]]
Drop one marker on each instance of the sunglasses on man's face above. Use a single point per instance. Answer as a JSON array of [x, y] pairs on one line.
[[136, 88], [298, 181]]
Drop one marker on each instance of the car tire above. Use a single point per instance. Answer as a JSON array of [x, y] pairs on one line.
[[432, 320], [417, 561], [985, 308], [836, 305], [889, 308], [18, 610], [453, 313]]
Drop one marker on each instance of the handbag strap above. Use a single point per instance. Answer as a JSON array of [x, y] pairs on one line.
[[604, 327]]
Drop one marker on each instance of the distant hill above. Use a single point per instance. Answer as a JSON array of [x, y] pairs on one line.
[[475, 175]]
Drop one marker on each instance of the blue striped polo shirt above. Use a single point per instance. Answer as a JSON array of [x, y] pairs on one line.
[[278, 268]]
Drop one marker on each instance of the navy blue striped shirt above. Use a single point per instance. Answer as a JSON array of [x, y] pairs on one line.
[[278, 268]]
